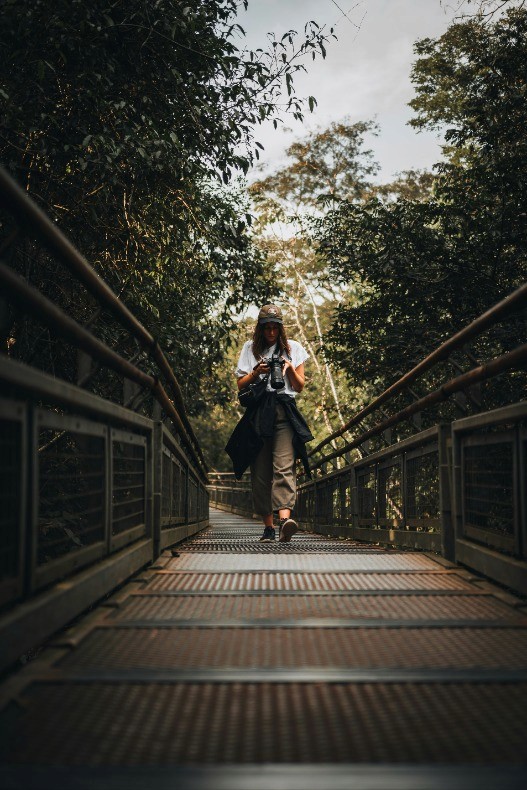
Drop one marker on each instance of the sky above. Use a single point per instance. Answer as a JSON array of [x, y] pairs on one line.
[[366, 74]]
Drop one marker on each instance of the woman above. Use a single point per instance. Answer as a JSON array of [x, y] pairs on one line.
[[270, 436]]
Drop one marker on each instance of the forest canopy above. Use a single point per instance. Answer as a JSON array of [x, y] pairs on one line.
[[426, 266], [130, 124], [133, 126]]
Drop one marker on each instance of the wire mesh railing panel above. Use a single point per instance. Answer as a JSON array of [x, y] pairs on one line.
[[166, 489], [177, 510], [305, 505], [422, 510], [203, 504], [192, 499], [329, 504], [10, 497], [216, 496], [390, 495], [129, 484], [337, 509], [324, 504], [227, 492], [366, 496], [71, 491], [173, 491], [523, 490], [345, 498], [488, 492], [490, 485]]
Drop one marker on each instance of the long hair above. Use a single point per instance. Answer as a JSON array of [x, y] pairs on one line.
[[260, 343]]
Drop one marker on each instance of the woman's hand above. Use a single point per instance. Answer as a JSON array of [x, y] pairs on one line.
[[295, 375], [261, 368]]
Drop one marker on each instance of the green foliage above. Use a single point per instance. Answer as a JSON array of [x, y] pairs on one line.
[[395, 257], [121, 88], [478, 74], [219, 393], [487, 9], [127, 121], [326, 165], [414, 185], [425, 268]]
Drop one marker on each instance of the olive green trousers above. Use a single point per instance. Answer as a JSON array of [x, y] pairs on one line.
[[273, 475]]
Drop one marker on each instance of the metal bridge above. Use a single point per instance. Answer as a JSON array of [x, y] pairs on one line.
[[149, 641]]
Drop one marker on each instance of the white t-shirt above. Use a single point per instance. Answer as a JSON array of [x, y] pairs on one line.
[[247, 361]]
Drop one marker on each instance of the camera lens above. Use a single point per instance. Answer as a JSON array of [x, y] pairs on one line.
[[277, 378]]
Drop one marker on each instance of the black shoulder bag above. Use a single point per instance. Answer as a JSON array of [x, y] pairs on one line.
[[252, 394]]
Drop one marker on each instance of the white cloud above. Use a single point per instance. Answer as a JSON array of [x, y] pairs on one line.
[[366, 73]]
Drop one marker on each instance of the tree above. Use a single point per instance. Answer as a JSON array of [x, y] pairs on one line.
[[122, 120], [328, 164], [426, 268], [325, 166], [416, 185], [486, 9]]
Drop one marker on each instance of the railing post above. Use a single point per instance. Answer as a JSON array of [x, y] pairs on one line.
[[19, 464], [354, 496], [157, 486], [444, 446], [315, 503], [522, 471], [187, 491], [403, 492], [517, 493], [108, 490], [31, 520], [457, 484]]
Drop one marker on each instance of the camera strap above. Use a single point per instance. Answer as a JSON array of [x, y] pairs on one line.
[[275, 351]]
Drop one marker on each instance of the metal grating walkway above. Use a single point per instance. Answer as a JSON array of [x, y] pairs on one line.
[[319, 664]]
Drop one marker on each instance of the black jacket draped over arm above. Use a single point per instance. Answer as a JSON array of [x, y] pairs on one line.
[[257, 424]]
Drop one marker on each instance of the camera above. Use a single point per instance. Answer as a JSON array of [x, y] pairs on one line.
[[275, 365]]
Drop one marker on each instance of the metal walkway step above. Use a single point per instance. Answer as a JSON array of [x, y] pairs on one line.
[[318, 664]]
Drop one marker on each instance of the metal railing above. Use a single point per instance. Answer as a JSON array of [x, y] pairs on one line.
[[458, 488], [397, 495], [489, 459], [514, 360], [91, 490], [227, 493]]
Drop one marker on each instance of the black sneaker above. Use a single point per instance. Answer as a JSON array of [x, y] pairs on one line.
[[287, 530], [268, 534]]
